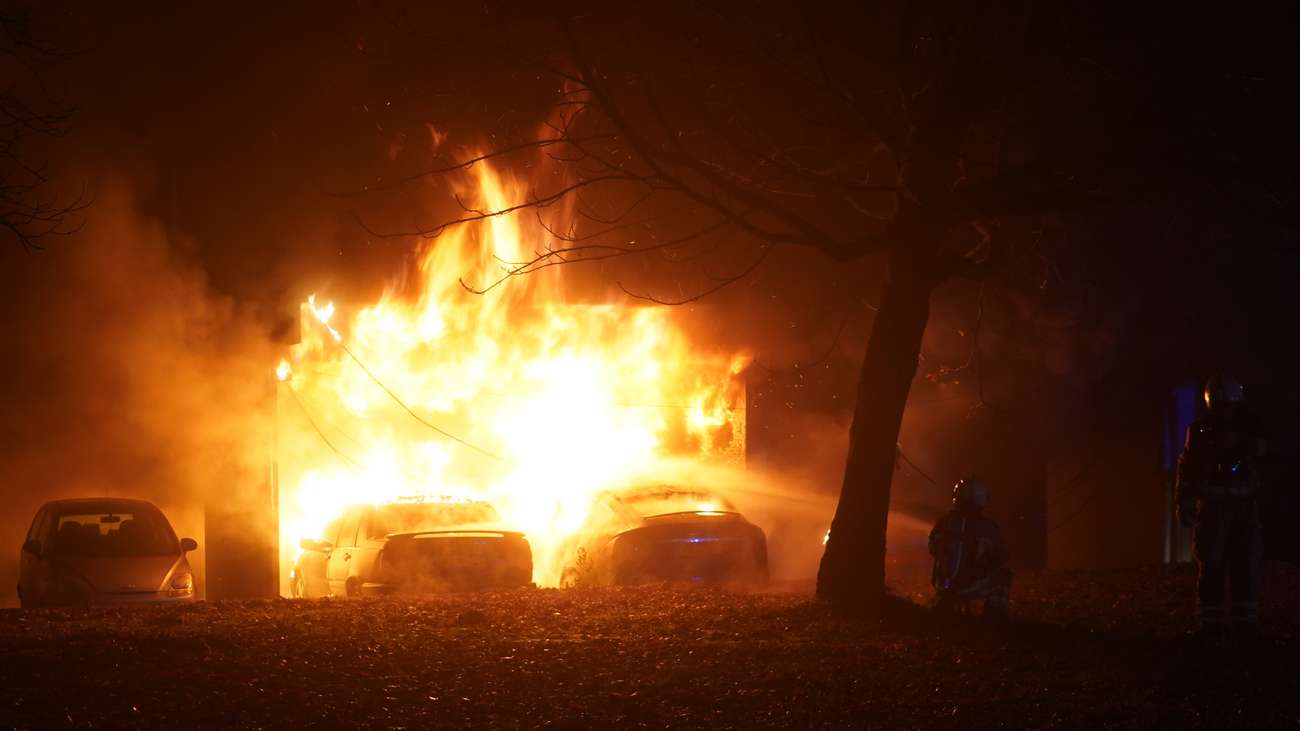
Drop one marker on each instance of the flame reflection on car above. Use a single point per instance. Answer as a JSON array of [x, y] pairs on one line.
[[415, 545], [667, 533]]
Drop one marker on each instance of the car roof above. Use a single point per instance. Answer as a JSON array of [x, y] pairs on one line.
[[357, 508], [631, 502], [101, 503], [425, 503], [695, 516], [660, 489], [646, 493]]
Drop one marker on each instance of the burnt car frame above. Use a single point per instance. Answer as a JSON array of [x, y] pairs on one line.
[[412, 546], [667, 533]]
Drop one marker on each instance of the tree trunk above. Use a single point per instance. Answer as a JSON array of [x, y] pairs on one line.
[[852, 573]]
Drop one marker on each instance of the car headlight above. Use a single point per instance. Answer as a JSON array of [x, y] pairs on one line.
[[182, 585]]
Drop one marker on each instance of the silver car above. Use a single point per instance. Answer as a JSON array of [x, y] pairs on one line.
[[414, 545], [103, 551]]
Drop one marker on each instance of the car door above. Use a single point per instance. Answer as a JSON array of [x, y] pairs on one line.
[[340, 560], [368, 545], [31, 567], [314, 563]]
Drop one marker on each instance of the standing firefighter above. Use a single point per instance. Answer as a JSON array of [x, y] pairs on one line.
[[1217, 493], [970, 559]]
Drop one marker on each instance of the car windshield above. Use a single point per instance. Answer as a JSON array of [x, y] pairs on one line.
[[412, 517], [112, 534]]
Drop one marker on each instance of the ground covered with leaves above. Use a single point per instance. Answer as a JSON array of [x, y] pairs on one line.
[[1086, 650]]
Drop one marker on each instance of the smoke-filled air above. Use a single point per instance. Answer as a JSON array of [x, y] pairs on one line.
[[463, 382]]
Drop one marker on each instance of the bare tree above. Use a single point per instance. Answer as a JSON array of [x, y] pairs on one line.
[[29, 210], [911, 131]]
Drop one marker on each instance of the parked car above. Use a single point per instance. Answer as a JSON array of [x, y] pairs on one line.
[[667, 533], [415, 545], [103, 551]]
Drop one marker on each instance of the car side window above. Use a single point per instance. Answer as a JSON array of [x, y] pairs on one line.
[[348, 532], [332, 531], [35, 530], [608, 519], [46, 526], [370, 527]]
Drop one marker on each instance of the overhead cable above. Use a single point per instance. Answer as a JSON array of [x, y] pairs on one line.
[[914, 467], [408, 409], [348, 462]]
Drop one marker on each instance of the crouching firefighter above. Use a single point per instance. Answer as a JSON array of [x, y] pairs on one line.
[[970, 559], [1217, 491]]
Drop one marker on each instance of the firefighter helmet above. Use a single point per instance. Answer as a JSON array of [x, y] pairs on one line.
[[1221, 390], [970, 492]]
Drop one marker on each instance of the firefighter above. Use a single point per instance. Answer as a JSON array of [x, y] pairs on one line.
[[970, 559], [1217, 491]]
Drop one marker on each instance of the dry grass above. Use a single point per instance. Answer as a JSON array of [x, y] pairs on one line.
[[1088, 650]]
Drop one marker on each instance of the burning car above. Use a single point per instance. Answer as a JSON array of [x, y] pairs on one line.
[[412, 545], [668, 533], [103, 551], [537, 396]]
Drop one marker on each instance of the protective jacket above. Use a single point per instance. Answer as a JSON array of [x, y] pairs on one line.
[[1220, 459], [1217, 492], [968, 552]]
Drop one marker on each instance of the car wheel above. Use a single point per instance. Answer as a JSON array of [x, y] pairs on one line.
[[296, 588], [353, 587]]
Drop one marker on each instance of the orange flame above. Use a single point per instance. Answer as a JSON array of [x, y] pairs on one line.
[[514, 396]]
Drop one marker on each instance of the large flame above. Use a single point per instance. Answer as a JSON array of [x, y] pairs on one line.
[[514, 396]]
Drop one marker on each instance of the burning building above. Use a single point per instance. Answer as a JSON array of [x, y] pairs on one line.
[[466, 380]]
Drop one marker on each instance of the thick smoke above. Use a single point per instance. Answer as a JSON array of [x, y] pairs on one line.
[[128, 377], [133, 372]]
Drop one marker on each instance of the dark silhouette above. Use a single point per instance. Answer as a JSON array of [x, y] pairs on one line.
[[970, 558], [1218, 494]]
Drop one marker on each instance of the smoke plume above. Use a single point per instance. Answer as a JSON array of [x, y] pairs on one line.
[[128, 377]]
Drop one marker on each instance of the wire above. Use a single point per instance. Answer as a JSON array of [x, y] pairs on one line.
[[414, 415], [348, 462], [914, 467], [819, 360], [1084, 501]]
